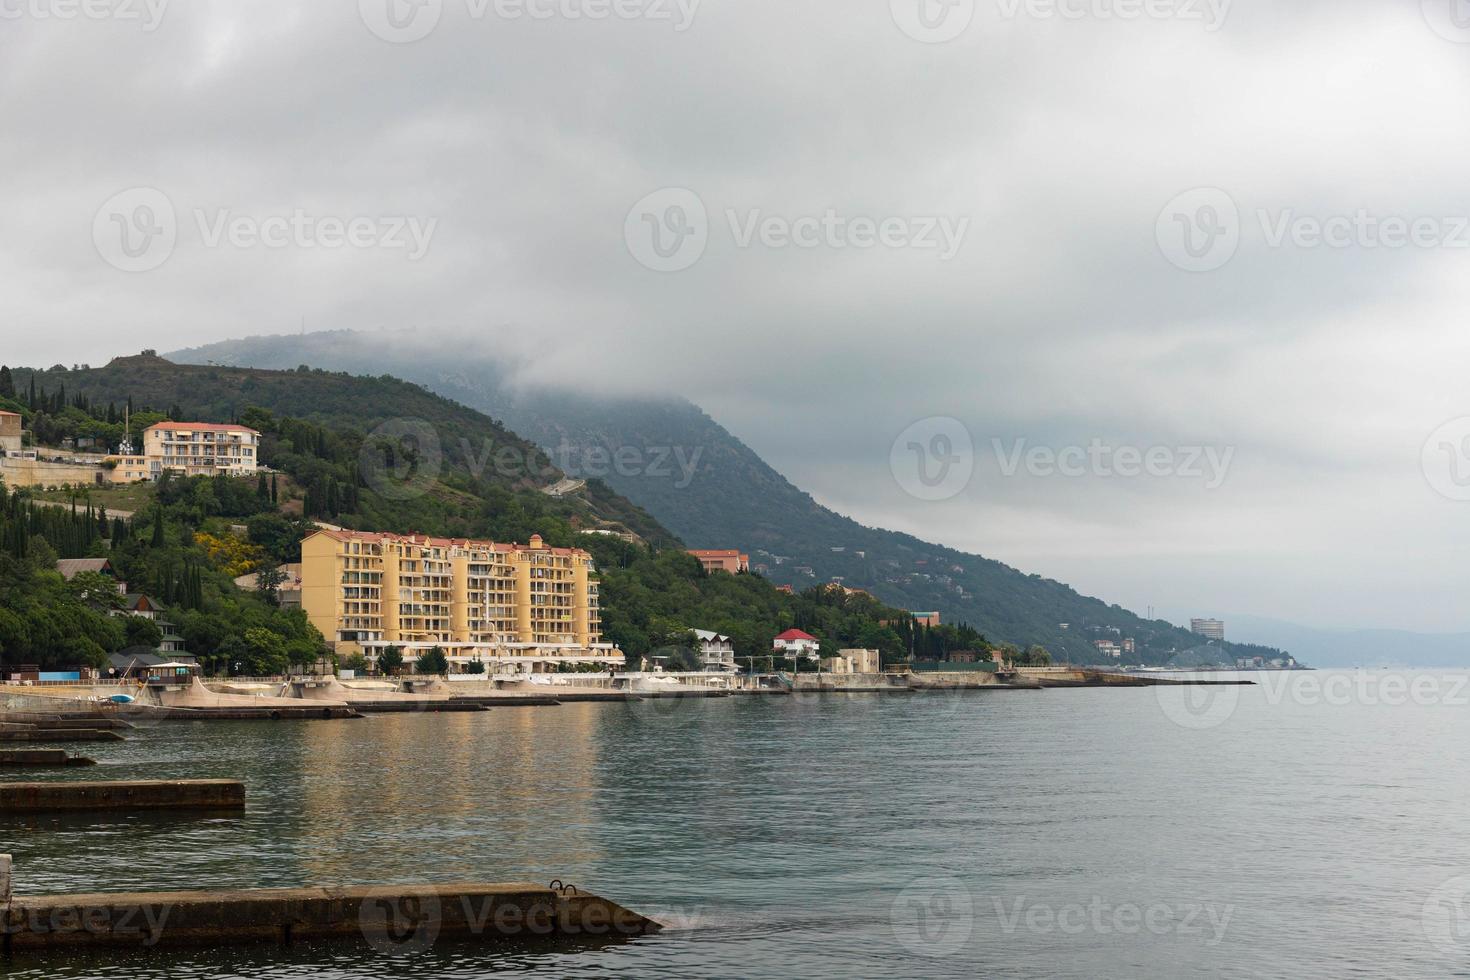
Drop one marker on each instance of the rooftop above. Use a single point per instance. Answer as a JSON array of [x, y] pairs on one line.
[[199, 427]]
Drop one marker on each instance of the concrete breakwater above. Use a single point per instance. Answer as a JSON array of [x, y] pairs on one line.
[[155, 794], [40, 758], [388, 918]]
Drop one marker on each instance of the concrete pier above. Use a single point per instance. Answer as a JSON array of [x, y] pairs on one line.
[[163, 794], [402, 917], [62, 735], [15, 758]]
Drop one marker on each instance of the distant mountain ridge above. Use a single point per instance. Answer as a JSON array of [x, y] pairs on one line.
[[1355, 647], [728, 497]]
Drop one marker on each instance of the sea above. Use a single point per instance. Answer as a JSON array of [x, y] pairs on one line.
[[1313, 824]]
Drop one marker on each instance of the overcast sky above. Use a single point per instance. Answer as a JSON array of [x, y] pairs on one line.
[[1009, 195]]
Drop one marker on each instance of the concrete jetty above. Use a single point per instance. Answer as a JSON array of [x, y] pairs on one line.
[[391, 918], [160, 794], [61, 735], [49, 758]]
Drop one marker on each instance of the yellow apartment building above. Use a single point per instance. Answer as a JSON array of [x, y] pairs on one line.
[[515, 607], [201, 449]]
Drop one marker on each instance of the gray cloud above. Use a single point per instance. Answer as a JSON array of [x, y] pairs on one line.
[[1059, 320]]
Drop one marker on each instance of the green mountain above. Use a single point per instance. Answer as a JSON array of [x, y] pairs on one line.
[[713, 491]]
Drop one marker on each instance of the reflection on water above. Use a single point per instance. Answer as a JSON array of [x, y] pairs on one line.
[[946, 835]]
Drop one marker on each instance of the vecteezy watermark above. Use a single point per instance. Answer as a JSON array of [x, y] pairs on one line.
[[933, 21], [1101, 917], [406, 21], [1445, 917], [939, 21], [1450, 19], [401, 459], [934, 459], [1445, 459], [1200, 230], [933, 917], [138, 229], [669, 230], [1203, 707], [142, 925], [1209, 13], [400, 920], [146, 13], [1210, 464]]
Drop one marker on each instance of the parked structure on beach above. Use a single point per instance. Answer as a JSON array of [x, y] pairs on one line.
[[523, 606]]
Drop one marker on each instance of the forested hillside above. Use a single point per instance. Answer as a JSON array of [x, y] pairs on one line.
[[733, 499]]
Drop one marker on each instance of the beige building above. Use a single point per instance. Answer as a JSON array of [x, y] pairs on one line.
[[723, 561], [517, 607], [854, 662], [200, 449], [10, 440]]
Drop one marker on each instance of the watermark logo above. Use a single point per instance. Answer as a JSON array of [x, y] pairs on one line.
[[933, 459], [1450, 19], [1445, 459], [1445, 917], [401, 459], [147, 13], [833, 230], [668, 230], [1209, 464], [1210, 13], [401, 21], [407, 21], [396, 920], [136, 230], [933, 917], [933, 21], [1198, 707], [1199, 230], [1101, 917]]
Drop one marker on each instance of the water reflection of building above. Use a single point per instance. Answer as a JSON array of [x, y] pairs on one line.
[[460, 795]]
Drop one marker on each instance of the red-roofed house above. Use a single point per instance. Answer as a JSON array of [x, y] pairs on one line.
[[795, 643], [723, 561]]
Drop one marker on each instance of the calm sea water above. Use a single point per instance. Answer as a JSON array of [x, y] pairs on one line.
[[1314, 826]]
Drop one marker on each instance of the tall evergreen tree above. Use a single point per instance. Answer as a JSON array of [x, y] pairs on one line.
[[7, 383]]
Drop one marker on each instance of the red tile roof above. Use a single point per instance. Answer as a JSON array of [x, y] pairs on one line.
[[424, 541], [199, 427], [795, 635]]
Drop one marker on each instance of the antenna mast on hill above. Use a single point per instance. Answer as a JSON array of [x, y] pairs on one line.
[[125, 448]]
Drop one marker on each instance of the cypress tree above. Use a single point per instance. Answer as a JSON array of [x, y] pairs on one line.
[[7, 383], [158, 527], [274, 491]]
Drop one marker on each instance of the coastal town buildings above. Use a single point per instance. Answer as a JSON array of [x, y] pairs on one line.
[[723, 561], [522, 607]]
